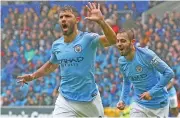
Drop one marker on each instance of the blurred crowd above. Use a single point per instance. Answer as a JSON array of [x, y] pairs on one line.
[[26, 45]]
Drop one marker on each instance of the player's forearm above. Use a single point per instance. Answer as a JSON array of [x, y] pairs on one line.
[[167, 76], [169, 86], [46, 69], [108, 32]]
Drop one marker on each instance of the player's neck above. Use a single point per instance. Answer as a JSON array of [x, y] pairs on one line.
[[70, 38], [130, 56]]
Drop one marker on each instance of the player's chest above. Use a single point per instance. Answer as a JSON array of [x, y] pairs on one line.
[[70, 50], [135, 71]]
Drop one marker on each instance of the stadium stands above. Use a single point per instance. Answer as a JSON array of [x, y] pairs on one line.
[[28, 31]]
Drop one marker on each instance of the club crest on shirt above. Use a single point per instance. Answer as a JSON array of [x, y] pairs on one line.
[[138, 68], [77, 48]]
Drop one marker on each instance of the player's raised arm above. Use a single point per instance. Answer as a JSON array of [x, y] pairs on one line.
[[47, 68], [109, 37]]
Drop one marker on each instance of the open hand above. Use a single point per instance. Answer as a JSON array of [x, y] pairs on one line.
[[94, 12], [25, 78]]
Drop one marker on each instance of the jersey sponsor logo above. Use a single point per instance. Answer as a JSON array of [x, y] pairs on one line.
[[139, 68], [71, 62], [155, 61], [78, 48], [137, 77]]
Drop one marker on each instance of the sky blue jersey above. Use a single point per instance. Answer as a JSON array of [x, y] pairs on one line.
[[76, 61], [144, 73], [172, 91]]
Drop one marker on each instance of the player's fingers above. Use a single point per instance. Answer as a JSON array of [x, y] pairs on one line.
[[88, 8], [90, 5], [142, 96], [21, 81], [88, 18], [98, 6], [120, 107], [146, 97], [93, 5], [20, 77]]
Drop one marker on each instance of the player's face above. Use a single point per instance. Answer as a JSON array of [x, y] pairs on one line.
[[123, 44], [67, 22]]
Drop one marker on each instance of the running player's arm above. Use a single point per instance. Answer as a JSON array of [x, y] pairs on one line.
[[46, 69], [167, 73], [125, 90]]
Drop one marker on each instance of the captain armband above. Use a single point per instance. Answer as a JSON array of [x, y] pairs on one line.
[[155, 61]]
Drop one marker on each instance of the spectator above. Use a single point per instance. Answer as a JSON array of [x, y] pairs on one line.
[[22, 47], [126, 6]]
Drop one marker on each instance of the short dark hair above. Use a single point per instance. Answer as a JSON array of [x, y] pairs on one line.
[[71, 9], [130, 33]]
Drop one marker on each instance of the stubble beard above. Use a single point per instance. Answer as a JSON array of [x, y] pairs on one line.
[[127, 50], [70, 31]]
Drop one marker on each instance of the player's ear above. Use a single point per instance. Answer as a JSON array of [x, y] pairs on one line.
[[133, 41], [78, 19]]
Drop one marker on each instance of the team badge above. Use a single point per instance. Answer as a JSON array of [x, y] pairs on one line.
[[138, 68], [77, 48]]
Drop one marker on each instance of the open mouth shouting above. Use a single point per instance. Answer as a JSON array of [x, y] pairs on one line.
[[65, 27]]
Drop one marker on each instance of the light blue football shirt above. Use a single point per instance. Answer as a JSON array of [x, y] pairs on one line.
[[76, 61], [144, 73], [172, 91]]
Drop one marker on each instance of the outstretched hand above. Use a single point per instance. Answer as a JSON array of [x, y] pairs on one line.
[[25, 78], [94, 12]]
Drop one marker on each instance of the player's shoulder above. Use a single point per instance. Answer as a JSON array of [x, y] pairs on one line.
[[90, 34], [145, 52], [122, 60], [57, 42]]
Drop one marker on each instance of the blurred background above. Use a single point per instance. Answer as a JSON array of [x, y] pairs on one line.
[[28, 29]]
